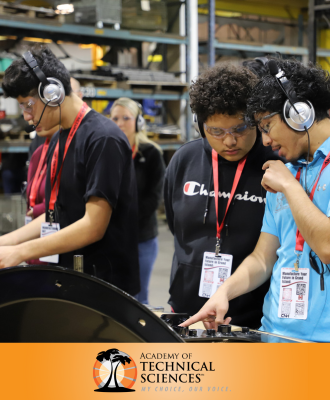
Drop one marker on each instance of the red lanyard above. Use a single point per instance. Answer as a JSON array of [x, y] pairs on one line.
[[54, 162], [299, 239], [133, 152], [237, 177], [42, 166]]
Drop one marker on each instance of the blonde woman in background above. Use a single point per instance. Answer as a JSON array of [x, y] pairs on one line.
[[149, 169]]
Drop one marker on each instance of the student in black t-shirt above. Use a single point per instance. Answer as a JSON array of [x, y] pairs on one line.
[[149, 170], [90, 185], [218, 97]]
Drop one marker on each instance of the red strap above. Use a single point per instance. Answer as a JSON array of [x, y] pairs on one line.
[[54, 162], [38, 176], [237, 177], [133, 151], [299, 239]]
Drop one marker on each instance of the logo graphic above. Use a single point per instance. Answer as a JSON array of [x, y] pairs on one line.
[[189, 188], [281, 202], [114, 371], [192, 188]]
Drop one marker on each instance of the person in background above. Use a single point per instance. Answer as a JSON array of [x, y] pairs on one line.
[[213, 196], [36, 181], [149, 169]]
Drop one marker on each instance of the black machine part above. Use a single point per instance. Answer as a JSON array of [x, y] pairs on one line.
[[223, 334], [55, 304]]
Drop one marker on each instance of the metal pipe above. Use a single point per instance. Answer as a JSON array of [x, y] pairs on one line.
[[311, 31], [211, 33], [191, 54]]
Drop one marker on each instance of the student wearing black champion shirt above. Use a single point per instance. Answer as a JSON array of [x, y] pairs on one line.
[[96, 202], [218, 98]]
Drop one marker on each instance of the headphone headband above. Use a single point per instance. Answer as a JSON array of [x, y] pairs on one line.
[[262, 60]]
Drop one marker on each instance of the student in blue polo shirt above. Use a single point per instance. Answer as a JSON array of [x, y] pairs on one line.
[[290, 106]]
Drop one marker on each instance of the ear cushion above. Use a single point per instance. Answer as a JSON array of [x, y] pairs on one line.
[[140, 123], [52, 94], [305, 118]]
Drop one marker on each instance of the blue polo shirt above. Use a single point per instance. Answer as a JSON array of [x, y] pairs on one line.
[[278, 221]]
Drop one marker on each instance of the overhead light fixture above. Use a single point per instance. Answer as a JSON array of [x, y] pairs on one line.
[[145, 5], [64, 9]]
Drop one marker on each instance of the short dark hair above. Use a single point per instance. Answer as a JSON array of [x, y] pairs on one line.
[[309, 82], [20, 80], [222, 89]]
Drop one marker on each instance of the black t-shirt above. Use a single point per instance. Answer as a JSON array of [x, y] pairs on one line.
[[99, 163], [188, 191]]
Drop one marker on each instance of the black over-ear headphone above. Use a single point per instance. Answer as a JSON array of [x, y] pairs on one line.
[[140, 121], [298, 115], [51, 91]]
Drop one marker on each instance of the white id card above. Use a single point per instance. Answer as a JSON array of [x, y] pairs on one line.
[[215, 271], [293, 301], [47, 229], [27, 220]]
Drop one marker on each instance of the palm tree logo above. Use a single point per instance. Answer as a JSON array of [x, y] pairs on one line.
[[114, 371]]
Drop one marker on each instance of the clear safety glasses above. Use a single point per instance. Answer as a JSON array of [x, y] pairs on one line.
[[266, 127], [28, 106], [219, 133]]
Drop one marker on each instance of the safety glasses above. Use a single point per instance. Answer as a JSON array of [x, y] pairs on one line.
[[28, 106], [219, 133], [265, 128]]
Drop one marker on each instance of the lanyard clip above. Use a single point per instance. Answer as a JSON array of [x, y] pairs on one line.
[[296, 264], [51, 218], [205, 215], [217, 247]]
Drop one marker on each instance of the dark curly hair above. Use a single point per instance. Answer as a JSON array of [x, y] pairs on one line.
[[222, 89], [310, 83], [20, 80]]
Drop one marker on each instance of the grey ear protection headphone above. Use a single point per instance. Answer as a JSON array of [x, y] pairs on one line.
[[140, 121], [298, 115], [51, 91]]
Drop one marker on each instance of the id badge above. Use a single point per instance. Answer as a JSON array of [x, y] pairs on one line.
[[46, 230], [27, 220], [293, 301], [215, 271]]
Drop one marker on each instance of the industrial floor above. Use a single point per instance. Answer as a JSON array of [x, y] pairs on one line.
[[160, 278]]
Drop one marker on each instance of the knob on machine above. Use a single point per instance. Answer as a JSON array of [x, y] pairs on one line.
[[224, 329]]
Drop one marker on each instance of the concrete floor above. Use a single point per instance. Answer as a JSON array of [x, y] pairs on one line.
[[160, 278]]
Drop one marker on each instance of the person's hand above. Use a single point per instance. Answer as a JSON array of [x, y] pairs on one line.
[[30, 213], [212, 313], [9, 256], [277, 177]]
